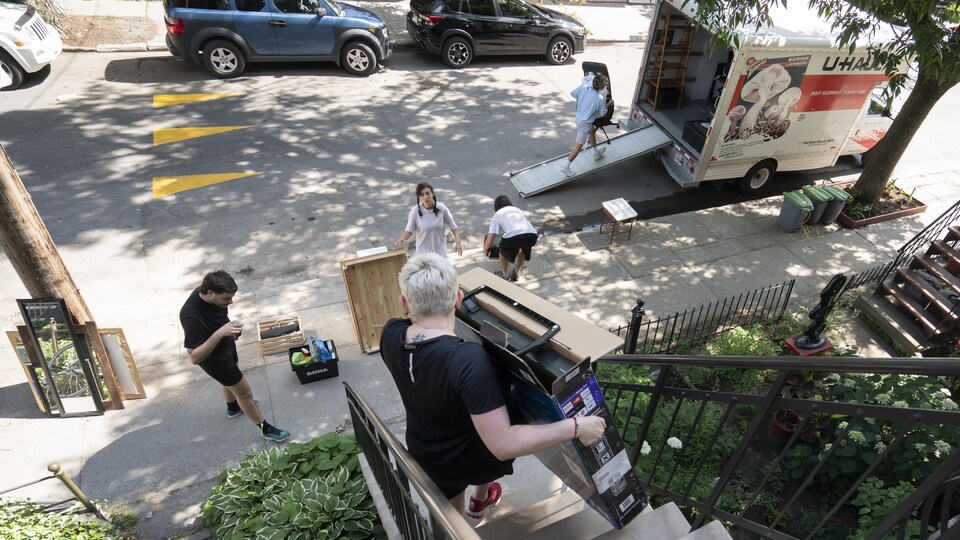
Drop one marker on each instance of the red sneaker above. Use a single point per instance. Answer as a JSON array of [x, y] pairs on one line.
[[478, 507]]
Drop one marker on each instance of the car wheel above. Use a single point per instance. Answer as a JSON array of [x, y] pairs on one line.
[[223, 59], [559, 51], [757, 176], [358, 59], [457, 52], [12, 70]]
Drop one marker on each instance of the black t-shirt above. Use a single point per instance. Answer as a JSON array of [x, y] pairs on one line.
[[442, 381], [200, 320]]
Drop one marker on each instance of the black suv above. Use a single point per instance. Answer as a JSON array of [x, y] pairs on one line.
[[224, 35], [460, 29]]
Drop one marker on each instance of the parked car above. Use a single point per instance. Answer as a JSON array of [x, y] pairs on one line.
[[223, 35], [27, 43], [458, 30]]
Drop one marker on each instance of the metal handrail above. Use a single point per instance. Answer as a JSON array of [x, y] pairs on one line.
[[78, 494], [444, 521], [763, 405]]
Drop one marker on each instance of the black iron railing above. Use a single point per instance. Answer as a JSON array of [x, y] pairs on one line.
[[695, 326], [804, 450], [418, 507]]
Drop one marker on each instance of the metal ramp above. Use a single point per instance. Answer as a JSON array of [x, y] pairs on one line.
[[546, 174]]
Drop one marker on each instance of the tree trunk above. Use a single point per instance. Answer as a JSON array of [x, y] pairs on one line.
[[50, 10], [27, 243], [887, 153]]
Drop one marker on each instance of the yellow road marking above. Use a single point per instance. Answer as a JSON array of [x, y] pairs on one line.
[[168, 185], [163, 100], [172, 135]]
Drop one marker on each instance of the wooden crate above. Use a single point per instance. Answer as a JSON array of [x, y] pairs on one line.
[[373, 293], [280, 343]]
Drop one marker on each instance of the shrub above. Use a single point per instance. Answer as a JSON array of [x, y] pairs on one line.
[[27, 519], [309, 491]]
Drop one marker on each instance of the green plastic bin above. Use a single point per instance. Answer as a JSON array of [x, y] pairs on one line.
[[820, 199], [840, 199], [795, 210]]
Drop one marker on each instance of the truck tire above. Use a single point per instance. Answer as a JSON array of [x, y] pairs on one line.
[[13, 70], [223, 59], [457, 52], [758, 176], [559, 51], [358, 59]]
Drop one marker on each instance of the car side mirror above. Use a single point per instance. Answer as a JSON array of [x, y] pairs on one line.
[[321, 11]]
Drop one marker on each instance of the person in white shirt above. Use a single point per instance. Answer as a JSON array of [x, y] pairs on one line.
[[592, 101], [427, 220], [518, 240]]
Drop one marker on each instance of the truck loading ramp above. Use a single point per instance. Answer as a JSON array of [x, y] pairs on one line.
[[546, 174]]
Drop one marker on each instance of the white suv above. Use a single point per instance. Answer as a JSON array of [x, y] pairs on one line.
[[27, 43]]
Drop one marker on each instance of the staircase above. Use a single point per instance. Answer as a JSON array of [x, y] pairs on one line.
[[918, 302]]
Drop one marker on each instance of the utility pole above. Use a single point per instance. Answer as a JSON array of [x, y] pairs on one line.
[[29, 247]]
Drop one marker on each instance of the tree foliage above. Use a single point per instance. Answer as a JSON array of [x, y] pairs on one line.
[[924, 37]]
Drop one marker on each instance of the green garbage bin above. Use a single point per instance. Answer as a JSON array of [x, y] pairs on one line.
[[795, 210], [820, 199], [840, 199]]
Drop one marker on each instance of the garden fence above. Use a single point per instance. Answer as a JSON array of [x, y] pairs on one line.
[[695, 326]]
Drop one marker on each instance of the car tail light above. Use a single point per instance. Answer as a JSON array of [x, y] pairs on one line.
[[431, 19], [175, 26]]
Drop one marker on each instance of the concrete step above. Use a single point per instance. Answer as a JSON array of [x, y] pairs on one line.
[[711, 531], [664, 523], [902, 329]]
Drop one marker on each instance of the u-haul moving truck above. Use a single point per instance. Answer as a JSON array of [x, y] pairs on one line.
[[786, 99]]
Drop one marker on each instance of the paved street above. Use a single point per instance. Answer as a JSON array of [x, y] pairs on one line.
[[336, 159]]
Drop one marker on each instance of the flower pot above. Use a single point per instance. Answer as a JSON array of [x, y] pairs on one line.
[[783, 424], [851, 222]]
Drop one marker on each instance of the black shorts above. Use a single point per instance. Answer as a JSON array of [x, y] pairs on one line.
[[225, 372], [510, 247]]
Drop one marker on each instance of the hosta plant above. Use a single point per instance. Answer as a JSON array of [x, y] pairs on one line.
[[311, 490]]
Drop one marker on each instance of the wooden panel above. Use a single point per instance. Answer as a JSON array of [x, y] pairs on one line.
[[373, 292], [281, 343]]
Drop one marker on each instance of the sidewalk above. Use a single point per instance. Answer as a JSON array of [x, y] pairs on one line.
[[606, 22]]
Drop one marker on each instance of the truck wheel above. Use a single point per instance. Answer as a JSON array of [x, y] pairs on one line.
[[11, 69], [457, 53], [757, 176], [559, 50], [223, 59], [358, 59]]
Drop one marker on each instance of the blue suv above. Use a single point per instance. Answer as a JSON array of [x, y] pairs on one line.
[[223, 35]]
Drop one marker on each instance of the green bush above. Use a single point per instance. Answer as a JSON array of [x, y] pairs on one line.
[[27, 519], [311, 490]]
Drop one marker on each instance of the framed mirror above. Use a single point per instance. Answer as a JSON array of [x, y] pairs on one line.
[[65, 376], [124, 367]]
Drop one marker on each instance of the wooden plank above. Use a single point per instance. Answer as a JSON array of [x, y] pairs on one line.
[[925, 320], [373, 293], [941, 273]]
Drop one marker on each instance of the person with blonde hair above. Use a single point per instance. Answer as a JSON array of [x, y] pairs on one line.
[[458, 428]]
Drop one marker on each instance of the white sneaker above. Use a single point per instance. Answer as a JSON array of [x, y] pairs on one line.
[[566, 170], [599, 153]]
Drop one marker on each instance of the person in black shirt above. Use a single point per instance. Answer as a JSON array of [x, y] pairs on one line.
[[210, 338], [458, 428]]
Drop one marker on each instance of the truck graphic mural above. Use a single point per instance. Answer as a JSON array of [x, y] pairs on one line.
[[767, 94]]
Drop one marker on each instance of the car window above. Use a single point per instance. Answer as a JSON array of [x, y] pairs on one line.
[[512, 8], [481, 7], [250, 5], [297, 6], [453, 5]]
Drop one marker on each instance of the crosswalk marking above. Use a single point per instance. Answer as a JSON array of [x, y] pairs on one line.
[[172, 135], [168, 185], [164, 100]]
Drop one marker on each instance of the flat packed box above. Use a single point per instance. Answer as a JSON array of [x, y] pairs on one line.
[[546, 352]]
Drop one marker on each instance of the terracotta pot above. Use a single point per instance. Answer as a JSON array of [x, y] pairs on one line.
[[782, 426]]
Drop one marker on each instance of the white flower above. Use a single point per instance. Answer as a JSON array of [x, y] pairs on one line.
[[901, 404], [827, 447], [674, 443], [942, 446], [645, 449], [883, 399], [849, 383], [945, 392], [880, 447], [920, 447], [833, 377], [842, 425], [948, 404], [857, 436]]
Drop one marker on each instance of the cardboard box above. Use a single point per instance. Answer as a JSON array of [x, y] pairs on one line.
[[546, 352], [317, 370], [373, 292], [271, 345]]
